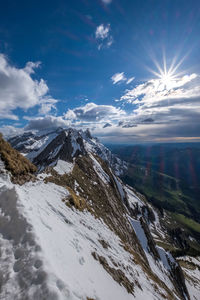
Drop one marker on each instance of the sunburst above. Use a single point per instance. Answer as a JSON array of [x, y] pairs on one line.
[[168, 76]]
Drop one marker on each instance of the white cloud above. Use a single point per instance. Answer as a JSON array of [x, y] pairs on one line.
[[163, 100], [92, 112], [70, 115], [158, 90], [47, 105], [118, 77], [130, 80], [125, 133], [30, 66], [46, 123], [102, 31], [19, 90], [91, 116], [103, 36], [164, 109], [9, 130]]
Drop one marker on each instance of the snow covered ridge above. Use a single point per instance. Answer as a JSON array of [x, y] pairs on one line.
[[44, 148], [48, 250]]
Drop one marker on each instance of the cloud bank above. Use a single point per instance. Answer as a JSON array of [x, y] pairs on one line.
[[164, 109], [164, 101]]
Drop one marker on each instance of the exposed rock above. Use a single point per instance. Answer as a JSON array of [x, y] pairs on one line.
[[151, 243]]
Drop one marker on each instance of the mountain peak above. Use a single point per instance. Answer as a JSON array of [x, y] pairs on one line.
[[45, 148]]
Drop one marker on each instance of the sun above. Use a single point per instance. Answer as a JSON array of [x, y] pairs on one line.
[[167, 76], [167, 79]]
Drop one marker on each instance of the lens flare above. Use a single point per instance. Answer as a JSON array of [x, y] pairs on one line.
[[168, 75]]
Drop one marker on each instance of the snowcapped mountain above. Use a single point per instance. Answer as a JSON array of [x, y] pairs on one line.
[[45, 147], [75, 231]]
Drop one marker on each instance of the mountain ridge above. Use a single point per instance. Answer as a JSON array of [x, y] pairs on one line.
[[90, 187]]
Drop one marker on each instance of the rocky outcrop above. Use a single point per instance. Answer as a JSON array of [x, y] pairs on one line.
[[21, 168]]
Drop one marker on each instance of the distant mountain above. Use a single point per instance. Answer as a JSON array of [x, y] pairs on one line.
[[76, 231]]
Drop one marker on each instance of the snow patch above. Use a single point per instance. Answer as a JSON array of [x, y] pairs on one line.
[[63, 167]]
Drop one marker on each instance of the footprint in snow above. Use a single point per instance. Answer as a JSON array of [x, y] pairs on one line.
[[81, 260]]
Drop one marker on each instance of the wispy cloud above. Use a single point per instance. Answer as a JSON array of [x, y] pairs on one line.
[[103, 36], [130, 80], [118, 77]]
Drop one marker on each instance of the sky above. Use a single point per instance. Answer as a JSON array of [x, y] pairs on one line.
[[129, 70]]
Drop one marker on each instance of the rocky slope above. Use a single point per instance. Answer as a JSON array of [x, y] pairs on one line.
[[77, 232], [19, 167]]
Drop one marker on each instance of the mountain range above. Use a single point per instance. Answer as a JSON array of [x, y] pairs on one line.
[[72, 228]]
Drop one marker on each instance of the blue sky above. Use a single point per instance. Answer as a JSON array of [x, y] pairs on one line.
[[100, 64]]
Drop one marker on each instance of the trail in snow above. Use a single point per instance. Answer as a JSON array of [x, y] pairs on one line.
[[46, 249], [22, 273]]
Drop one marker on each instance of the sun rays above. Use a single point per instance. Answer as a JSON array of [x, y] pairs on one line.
[[168, 75]]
